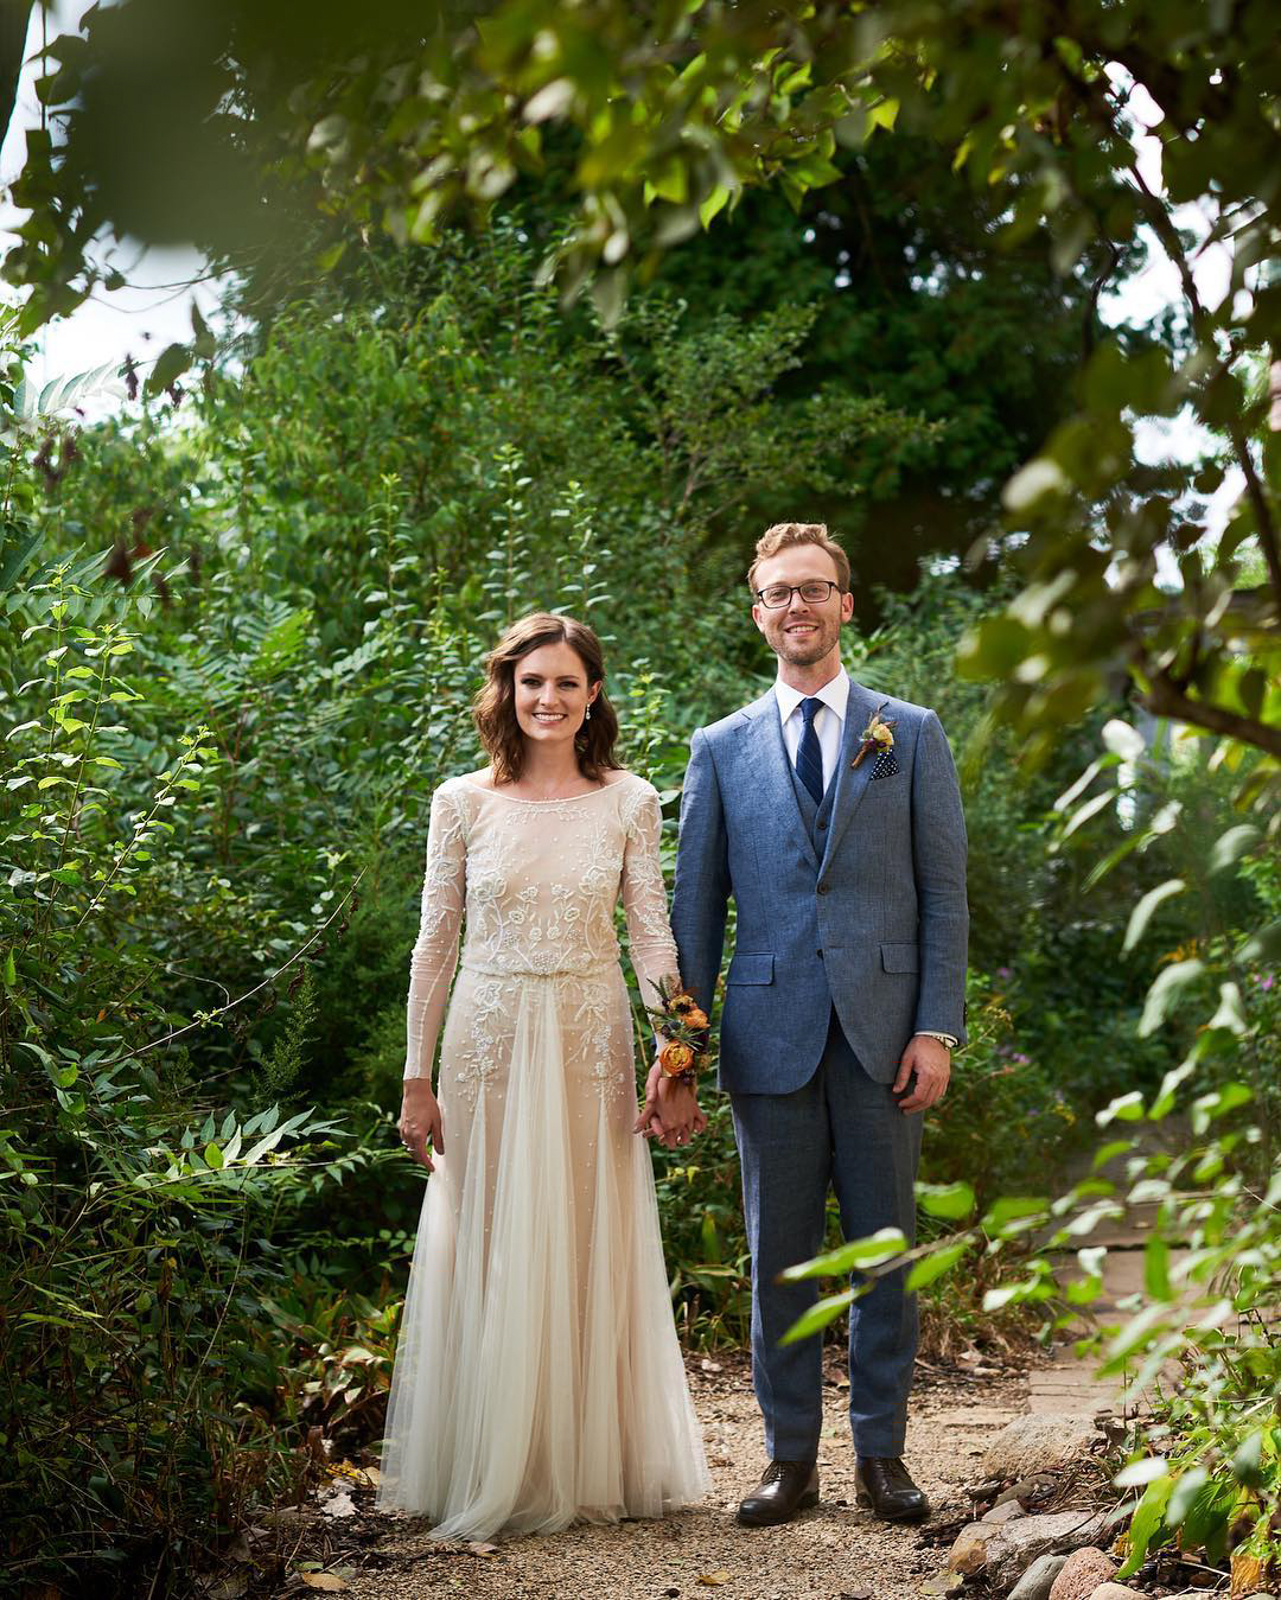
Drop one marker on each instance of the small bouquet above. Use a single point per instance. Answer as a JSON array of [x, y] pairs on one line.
[[684, 1024]]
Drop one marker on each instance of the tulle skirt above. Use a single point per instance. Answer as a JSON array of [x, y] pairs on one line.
[[538, 1379]]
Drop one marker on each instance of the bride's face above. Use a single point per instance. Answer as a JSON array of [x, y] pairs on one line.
[[552, 693]]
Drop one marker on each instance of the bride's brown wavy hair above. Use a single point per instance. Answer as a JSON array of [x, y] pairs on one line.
[[494, 708]]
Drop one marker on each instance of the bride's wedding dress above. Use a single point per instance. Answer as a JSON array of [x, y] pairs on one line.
[[538, 1377]]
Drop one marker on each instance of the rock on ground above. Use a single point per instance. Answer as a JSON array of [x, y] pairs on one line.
[[1026, 1491], [1083, 1572], [1115, 1591], [1044, 1443], [1038, 1580], [1003, 1551], [1005, 1512]]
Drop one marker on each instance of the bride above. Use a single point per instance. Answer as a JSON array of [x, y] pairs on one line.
[[538, 1379]]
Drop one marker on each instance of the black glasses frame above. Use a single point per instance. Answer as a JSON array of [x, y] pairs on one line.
[[795, 588]]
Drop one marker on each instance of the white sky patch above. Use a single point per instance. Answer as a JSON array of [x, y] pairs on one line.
[[137, 321]]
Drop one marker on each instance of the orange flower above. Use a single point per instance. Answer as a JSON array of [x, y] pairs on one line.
[[683, 1005], [676, 1058]]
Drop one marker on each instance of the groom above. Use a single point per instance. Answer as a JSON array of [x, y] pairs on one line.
[[845, 858]]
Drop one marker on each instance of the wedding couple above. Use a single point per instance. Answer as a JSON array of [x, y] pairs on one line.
[[538, 1379]]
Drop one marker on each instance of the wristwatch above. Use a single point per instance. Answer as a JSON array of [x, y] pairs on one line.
[[943, 1038]]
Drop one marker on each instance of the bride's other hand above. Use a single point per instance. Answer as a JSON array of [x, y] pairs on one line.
[[420, 1121]]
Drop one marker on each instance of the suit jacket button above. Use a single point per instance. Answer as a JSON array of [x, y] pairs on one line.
[[819, 954], [822, 823], [824, 887]]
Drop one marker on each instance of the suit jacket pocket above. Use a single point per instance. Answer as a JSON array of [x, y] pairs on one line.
[[747, 966], [900, 958]]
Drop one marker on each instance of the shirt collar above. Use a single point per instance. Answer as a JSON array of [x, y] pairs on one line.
[[835, 694]]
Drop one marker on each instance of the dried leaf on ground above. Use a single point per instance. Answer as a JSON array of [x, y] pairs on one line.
[[1248, 1574]]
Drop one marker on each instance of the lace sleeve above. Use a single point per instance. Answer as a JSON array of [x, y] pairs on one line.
[[649, 933], [435, 952]]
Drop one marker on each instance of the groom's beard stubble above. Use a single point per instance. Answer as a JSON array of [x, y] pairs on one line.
[[805, 650]]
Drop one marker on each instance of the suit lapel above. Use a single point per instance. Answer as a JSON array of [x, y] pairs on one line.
[[767, 757], [851, 782]]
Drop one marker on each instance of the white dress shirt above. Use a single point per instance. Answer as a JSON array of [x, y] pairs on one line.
[[829, 723], [829, 720]]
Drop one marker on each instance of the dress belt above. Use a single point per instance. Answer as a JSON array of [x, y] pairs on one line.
[[593, 970]]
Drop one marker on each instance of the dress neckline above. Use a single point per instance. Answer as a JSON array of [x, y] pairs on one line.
[[561, 800]]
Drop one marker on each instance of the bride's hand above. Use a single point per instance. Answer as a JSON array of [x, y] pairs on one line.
[[678, 1112], [671, 1111], [420, 1121]]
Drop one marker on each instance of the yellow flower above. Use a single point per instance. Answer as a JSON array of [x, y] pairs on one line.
[[882, 735]]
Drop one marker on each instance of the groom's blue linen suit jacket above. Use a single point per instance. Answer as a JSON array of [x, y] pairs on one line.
[[863, 907]]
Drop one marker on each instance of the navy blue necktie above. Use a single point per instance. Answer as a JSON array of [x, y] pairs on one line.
[[809, 754]]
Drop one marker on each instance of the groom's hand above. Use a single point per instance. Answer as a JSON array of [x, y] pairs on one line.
[[926, 1065]]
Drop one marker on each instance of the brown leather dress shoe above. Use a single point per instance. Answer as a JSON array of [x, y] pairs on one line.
[[882, 1482], [786, 1488]]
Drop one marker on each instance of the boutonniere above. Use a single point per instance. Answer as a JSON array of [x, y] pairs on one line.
[[878, 736]]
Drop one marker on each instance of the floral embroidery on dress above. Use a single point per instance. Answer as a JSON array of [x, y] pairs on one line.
[[481, 1060]]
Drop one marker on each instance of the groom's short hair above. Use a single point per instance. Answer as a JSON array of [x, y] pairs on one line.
[[783, 534]]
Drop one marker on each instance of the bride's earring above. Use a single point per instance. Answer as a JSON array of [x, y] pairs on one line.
[[588, 717]]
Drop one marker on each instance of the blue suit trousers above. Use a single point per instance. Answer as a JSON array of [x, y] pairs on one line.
[[841, 1129]]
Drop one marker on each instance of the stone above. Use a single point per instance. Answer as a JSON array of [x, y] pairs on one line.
[[1115, 1591], [969, 1552], [1026, 1490], [1006, 1511], [1038, 1580], [1044, 1533], [1083, 1571], [1045, 1443], [1003, 1551]]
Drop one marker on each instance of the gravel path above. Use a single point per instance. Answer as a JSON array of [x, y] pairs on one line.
[[832, 1552]]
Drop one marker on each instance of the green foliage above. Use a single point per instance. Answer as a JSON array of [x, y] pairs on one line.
[[923, 307], [668, 119]]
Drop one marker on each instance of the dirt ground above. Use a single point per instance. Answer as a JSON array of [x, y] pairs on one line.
[[834, 1551]]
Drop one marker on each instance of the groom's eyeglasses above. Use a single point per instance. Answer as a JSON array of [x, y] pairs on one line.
[[778, 595]]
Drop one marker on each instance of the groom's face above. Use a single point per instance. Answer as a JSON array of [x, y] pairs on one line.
[[801, 633]]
